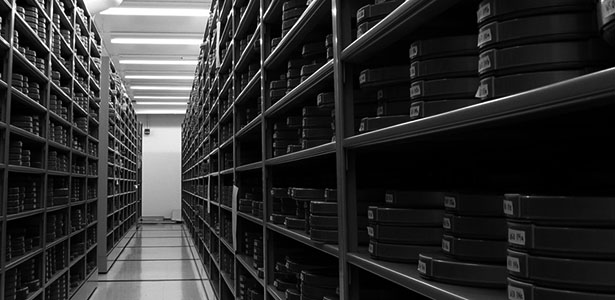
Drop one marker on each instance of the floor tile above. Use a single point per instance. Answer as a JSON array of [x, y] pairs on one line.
[[156, 253], [152, 290], [160, 227], [159, 234], [152, 270], [166, 242]]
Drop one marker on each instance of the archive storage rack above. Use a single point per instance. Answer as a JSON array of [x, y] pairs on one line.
[[551, 140], [49, 90], [120, 180]]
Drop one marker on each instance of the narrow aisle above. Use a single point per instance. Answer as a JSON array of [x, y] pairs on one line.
[[158, 263]]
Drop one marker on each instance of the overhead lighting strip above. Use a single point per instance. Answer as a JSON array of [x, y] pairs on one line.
[[164, 12]]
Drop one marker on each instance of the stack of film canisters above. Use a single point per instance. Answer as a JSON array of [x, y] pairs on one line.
[[248, 290], [323, 218], [606, 11], [391, 91], [316, 285], [303, 197], [57, 290], [16, 39], [316, 126], [316, 53], [536, 43], [327, 100], [443, 73], [16, 153], [248, 242], [288, 277], [55, 261], [283, 206], [77, 220], [409, 224], [560, 247], [329, 46], [258, 255], [28, 123], [226, 197], [293, 72], [286, 281], [277, 89], [291, 12], [275, 42], [286, 137], [370, 15], [474, 243]]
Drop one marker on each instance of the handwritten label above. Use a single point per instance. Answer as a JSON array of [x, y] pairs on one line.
[[484, 11], [363, 78], [422, 267], [415, 90], [446, 246], [484, 62], [516, 237], [360, 14], [512, 264], [446, 223], [484, 36], [380, 94], [415, 110], [380, 110], [370, 214], [515, 293], [370, 231], [371, 248], [483, 91], [413, 69], [414, 51], [450, 202], [509, 208]]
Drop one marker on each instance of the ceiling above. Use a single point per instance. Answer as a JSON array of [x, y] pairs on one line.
[[156, 88]]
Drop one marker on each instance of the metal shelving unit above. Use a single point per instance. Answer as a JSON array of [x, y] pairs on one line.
[[548, 140]]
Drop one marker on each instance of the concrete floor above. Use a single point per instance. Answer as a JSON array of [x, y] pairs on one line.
[[159, 263]]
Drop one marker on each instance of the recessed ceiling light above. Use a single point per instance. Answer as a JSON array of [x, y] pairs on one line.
[[161, 88], [169, 12], [156, 41], [160, 111], [172, 77], [162, 103], [162, 97], [157, 62]]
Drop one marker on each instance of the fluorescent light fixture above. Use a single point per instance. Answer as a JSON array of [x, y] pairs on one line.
[[167, 12], [160, 111], [162, 97], [162, 103], [156, 41], [161, 88], [156, 77], [156, 62]]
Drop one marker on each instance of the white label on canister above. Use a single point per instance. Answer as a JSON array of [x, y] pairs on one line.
[[370, 214], [608, 8], [483, 91], [370, 231], [371, 248], [422, 267], [362, 78], [413, 69], [380, 94], [484, 36], [360, 14], [512, 264], [446, 246], [415, 90], [484, 62], [516, 237], [515, 293], [414, 51], [509, 208], [450, 202], [389, 198], [446, 223], [484, 11], [415, 110], [380, 110]]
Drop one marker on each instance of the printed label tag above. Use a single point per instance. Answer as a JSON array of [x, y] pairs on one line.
[[515, 293], [483, 91], [362, 127], [509, 208], [370, 214], [608, 8], [446, 223], [484, 11], [484, 62], [360, 14], [380, 110], [370, 231], [422, 267], [415, 110], [516, 237], [414, 51], [380, 94], [371, 248], [389, 198], [512, 264], [415, 90], [413, 70], [362, 78], [446, 246], [450, 202], [484, 36]]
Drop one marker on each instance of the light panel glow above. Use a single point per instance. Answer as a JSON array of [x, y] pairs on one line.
[[161, 97], [157, 62], [160, 77], [167, 12], [162, 103], [161, 88], [155, 41]]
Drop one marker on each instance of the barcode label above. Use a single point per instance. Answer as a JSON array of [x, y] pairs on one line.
[[484, 11], [450, 202], [515, 293], [516, 237], [484, 36], [446, 246], [422, 267], [509, 208], [512, 264]]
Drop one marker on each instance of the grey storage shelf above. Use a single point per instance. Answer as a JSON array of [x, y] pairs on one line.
[[70, 186]]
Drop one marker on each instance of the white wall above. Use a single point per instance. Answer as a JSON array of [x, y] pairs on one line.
[[161, 164]]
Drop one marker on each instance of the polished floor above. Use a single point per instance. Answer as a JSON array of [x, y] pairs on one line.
[[158, 263]]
